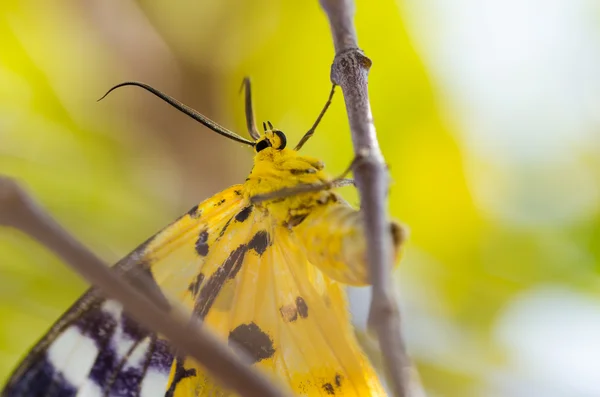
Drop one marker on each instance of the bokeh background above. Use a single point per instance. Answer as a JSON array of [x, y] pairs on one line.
[[488, 113]]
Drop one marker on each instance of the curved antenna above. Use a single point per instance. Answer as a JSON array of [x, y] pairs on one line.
[[185, 109], [250, 123], [310, 132]]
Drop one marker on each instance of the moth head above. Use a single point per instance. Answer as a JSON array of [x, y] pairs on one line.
[[272, 138]]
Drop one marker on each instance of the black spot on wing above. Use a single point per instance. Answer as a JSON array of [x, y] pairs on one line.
[[96, 324], [328, 387], [302, 307], [162, 356], [195, 212], [237, 192], [255, 342], [202, 243], [180, 373], [195, 285], [220, 202], [259, 242], [107, 361], [243, 214], [215, 282], [235, 269], [338, 380], [225, 227], [128, 382], [295, 220]]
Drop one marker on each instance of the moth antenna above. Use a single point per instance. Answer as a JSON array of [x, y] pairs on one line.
[[250, 124], [264, 126], [186, 110], [310, 132], [270, 125]]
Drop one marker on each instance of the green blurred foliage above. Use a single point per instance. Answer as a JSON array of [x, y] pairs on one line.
[[115, 172]]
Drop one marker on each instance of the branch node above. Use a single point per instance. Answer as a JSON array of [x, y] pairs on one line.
[[349, 63]]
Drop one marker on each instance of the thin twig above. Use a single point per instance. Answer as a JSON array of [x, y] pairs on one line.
[[19, 211], [350, 70]]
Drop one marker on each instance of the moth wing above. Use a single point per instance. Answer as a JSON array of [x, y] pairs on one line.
[[321, 354], [289, 318], [95, 349]]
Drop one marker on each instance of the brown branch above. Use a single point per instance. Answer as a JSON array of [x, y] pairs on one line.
[[19, 211], [350, 71]]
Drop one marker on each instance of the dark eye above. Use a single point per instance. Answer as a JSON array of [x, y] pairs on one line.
[[282, 138], [262, 145]]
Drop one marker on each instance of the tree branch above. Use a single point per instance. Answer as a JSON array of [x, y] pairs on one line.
[[350, 71], [186, 334]]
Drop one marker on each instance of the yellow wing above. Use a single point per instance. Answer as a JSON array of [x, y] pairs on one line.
[[287, 315], [248, 277], [94, 349]]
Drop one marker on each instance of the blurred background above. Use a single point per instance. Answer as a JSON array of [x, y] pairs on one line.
[[488, 114]]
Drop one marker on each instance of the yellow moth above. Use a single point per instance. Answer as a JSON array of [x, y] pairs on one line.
[[263, 264]]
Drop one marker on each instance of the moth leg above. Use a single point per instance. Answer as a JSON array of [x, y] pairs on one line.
[[340, 181], [298, 189], [250, 122]]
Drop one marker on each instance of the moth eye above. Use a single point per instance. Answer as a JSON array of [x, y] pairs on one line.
[[262, 145], [282, 139]]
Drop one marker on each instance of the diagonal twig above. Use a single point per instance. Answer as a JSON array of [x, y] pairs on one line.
[[19, 211], [350, 71]]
